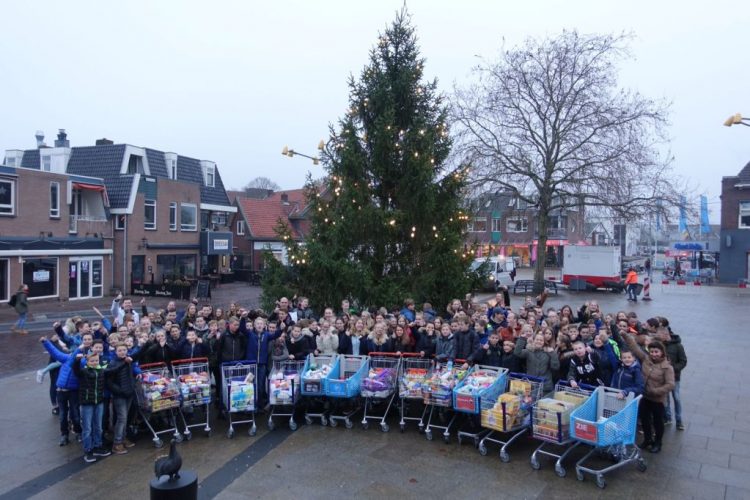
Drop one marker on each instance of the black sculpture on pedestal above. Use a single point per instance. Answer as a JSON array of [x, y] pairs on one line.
[[169, 465]]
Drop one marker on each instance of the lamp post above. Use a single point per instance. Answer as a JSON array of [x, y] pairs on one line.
[[286, 151], [736, 119]]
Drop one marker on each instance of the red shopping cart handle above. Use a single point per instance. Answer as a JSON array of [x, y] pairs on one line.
[[148, 366], [189, 360]]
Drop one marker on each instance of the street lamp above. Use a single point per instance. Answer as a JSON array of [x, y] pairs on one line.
[[291, 152], [736, 119]]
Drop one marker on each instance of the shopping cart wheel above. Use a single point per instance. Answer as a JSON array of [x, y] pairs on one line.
[[460, 440], [324, 422], [482, 448], [270, 424], [178, 437], [158, 443], [504, 456], [402, 427], [334, 423], [253, 431], [292, 425], [385, 427], [535, 463], [600, 482], [579, 475], [476, 442], [308, 420], [207, 433], [230, 433], [188, 435], [641, 465], [349, 424], [428, 435], [560, 471], [365, 425], [446, 438]]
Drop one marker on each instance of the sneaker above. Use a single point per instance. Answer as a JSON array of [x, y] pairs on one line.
[[55, 410], [101, 452], [119, 449], [668, 422], [655, 448], [64, 440], [89, 458], [680, 426], [128, 443], [39, 376]]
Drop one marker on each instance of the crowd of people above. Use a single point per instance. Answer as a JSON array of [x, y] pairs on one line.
[[94, 364]]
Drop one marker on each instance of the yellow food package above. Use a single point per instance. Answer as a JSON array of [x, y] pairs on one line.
[[520, 387], [570, 397]]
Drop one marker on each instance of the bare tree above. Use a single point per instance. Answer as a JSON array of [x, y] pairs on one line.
[[262, 183], [549, 122]]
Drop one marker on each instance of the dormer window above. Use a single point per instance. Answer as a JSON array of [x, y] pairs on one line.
[[135, 164], [172, 169], [209, 175], [46, 163]]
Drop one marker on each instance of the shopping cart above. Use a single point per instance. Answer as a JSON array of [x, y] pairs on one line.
[[239, 393], [467, 397], [550, 424], [314, 374], [379, 387], [283, 391], [609, 425], [508, 414], [158, 398], [414, 371], [194, 381], [437, 392], [342, 388]]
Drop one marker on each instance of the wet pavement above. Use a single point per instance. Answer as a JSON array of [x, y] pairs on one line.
[[710, 459]]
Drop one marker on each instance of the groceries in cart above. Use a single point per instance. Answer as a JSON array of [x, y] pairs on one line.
[[195, 388], [512, 408], [380, 382], [412, 382], [242, 394], [282, 385], [477, 381], [317, 373], [438, 388], [159, 392]]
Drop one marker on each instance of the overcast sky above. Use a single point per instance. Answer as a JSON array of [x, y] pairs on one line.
[[235, 81]]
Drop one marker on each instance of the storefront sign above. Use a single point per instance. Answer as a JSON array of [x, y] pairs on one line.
[[41, 276], [221, 244], [177, 292]]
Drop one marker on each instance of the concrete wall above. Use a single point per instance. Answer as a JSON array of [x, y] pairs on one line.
[[733, 265]]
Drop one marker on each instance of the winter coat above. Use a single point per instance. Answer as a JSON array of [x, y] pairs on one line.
[[299, 348], [120, 379], [231, 347], [212, 344], [403, 344], [91, 384], [539, 363], [186, 350], [345, 343], [496, 356], [628, 379], [327, 344], [157, 353], [22, 302], [445, 348], [374, 346], [658, 378], [66, 379], [279, 351], [609, 361], [466, 343], [257, 343], [426, 344], [586, 370], [676, 354]]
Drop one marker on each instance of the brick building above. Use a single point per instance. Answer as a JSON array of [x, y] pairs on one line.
[[734, 264]]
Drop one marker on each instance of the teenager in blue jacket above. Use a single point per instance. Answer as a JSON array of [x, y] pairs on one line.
[[258, 339], [628, 377]]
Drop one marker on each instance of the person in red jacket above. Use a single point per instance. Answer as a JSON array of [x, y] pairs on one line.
[[631, 281]]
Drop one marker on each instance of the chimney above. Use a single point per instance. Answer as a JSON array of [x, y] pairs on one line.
[[104, 142], [62, 139], [284, 199], [39, 138]]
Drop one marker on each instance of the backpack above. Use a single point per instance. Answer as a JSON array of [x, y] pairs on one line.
[[12, 301]]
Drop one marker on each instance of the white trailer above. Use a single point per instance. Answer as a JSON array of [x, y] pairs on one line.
[[598, 267]]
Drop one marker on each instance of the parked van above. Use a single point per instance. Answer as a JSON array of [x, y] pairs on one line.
[[501, 271]]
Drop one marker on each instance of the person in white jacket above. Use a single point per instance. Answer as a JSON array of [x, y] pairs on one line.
[[119, 310]]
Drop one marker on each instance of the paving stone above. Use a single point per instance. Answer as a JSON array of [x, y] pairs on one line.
[[734, 493], [719, 458], [739, 463], [732, 447], [696, 488], [741, 436], [730, 477]]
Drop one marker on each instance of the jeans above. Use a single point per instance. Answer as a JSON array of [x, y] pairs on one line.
[[652, 420], [677, 404], [53, 386], [91, 420], [67, 401], [21, 321], [120, 406], [631, 292]]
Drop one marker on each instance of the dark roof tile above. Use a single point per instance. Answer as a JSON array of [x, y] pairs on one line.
[[30, 159]]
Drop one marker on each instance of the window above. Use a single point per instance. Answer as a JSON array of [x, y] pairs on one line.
[[46, 163], [173, 267], [496, 225], [10, 161], [119, 222], [209, 172], [54, 200], [4, 280], [41, 276], [240, 227], [744, 214], [219, 218], [172, 169], [135, 164], [477, 225], [149, 218], [558, 222], [173, 216], [517, 225], [7, 197], [188, 217]]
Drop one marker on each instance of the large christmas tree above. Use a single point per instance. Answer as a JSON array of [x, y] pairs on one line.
[[386, 221]]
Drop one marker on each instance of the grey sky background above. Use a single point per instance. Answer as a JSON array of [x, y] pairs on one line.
[[235, 81]]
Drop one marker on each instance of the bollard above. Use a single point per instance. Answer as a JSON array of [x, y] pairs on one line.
[[647, 288], [183, 488]]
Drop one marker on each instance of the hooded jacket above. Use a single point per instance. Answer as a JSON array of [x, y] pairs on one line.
[[445, 348], [66, 378], [676, 354], [231, 347], [91, 384], [299, 347], [120, 379], [628, 379], [539, 363], [466, 343], [658, 377]]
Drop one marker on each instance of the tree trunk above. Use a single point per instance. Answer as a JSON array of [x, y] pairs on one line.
[[541, 249]]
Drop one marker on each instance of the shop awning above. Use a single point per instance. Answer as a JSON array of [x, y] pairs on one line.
[[553, 243]]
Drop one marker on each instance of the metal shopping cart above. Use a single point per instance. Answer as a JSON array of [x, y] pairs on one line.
[[314, 374], [342, 388], [550, 424], [437, 391], [158, 398], [194, 381], [608, 424], [284, 391], [467, 397], [378, 387], [414, 372], [238, 379], [508, 414]]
